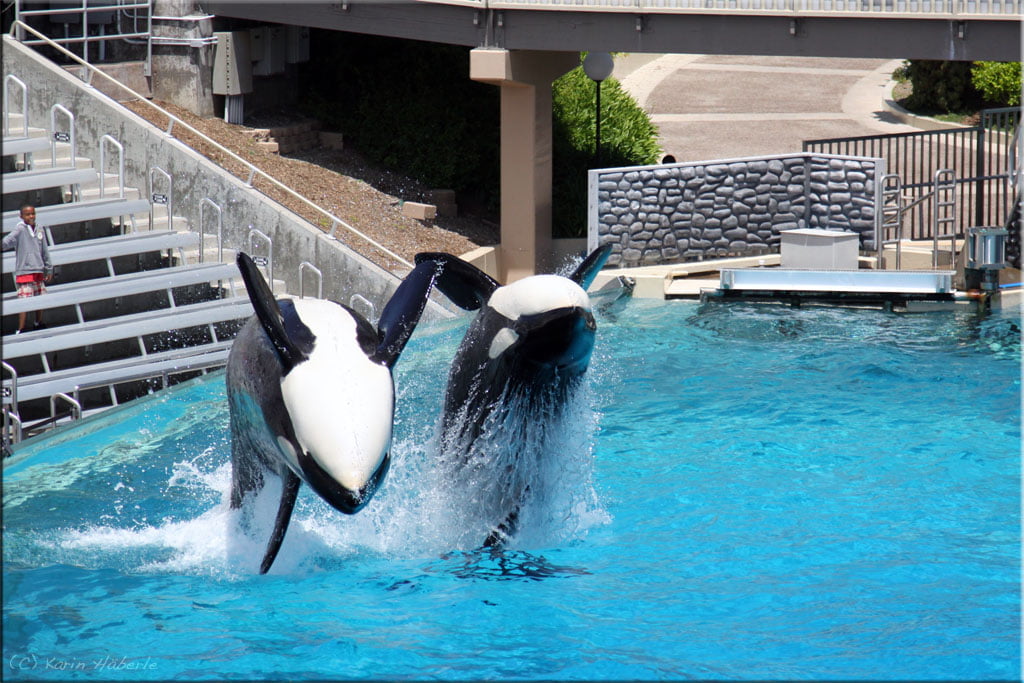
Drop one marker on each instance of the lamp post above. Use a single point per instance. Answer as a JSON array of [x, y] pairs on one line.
[[598, 66]]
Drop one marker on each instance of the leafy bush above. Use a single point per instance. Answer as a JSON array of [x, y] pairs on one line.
[[998, 82], [940, 86], [628, 138]]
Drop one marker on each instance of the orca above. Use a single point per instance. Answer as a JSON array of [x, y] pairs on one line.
[[311, 396], [529, 345]]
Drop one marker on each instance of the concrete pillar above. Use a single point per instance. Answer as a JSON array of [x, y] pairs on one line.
[[525, 78], [183, 74]]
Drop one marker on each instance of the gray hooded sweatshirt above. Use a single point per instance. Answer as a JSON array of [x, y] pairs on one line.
[[30, 252]]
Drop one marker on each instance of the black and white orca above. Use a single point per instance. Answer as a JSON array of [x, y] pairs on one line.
[[311, 395], [529, 345]]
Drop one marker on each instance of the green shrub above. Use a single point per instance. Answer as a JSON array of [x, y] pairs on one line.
[[998, 82], [940, 86], [628, 138]]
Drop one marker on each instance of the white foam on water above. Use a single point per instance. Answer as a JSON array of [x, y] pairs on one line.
[[427, 506]]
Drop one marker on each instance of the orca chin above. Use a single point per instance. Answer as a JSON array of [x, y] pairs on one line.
[[338, 496]]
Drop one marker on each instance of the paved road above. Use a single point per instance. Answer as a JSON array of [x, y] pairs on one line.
[[721, 107]]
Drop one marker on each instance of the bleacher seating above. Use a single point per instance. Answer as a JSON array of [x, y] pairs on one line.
[[128, 304], [109, 251]]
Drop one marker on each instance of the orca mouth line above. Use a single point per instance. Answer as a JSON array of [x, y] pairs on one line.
[[337, 496], [562, 339]]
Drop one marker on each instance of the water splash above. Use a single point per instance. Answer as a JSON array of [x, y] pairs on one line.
[[427, 507]]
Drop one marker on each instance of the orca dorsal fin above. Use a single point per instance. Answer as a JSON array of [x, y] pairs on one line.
[[467, 286], [403, 310], [587, 270], [290, 337]]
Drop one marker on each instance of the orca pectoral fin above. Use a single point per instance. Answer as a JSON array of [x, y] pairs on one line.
[[587, 271], [289, 492], [290, 348], [403, 311], [466, 285]]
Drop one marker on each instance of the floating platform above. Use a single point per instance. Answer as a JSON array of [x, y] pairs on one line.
[[850, 287]]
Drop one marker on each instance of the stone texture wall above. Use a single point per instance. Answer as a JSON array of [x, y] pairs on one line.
[[697, 211]]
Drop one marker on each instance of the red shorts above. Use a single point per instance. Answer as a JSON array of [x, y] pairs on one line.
[[30, 285]]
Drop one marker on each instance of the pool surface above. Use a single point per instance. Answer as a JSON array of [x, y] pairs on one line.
[[739, 491]]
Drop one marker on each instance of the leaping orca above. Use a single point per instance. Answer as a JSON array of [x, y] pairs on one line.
[[530, 342], [311, 395]]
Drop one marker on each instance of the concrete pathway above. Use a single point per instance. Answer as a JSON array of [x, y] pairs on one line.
[[722, 106]]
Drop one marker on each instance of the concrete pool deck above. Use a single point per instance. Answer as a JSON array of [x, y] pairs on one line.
[[695, 281]]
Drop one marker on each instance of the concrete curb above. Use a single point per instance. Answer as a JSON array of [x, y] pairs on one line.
[[915, 120]]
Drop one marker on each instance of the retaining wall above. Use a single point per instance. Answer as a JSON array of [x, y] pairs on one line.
[[345, 272], [736, 207]]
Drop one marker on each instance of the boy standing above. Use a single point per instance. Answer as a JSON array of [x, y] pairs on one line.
[[32, 261]]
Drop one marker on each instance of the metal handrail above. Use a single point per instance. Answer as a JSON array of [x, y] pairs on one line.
[[14, 384], [253, 233], [104, 142], [254, 172], [901, 9], [58, 136], [306, 265], [370, 310], [9, 419], [76, 406], [84, 9], [11, 78], [202, 229], [162, 199]]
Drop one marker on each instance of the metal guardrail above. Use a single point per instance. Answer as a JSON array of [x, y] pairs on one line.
[[896, 9], [165, 198], [262, 261], [363, 306], [206, 201], [254, 172], [109, 141], [982, 157], [303, 267], [63, 136], [9, 79], [86, 13]]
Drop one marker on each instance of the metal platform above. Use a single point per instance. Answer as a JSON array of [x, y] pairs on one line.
[[834, 286]]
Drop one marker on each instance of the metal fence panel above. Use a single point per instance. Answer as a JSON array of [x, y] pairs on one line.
[[980, 156]]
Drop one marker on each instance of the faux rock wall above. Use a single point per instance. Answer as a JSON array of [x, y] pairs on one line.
[[697, 211]]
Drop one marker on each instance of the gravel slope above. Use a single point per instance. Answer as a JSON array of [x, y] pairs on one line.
[[340, 182]]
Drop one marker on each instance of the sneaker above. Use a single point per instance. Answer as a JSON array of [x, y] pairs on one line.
[[17, 332], [39, 326]]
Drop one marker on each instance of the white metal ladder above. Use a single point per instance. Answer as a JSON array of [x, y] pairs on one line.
[[944, 202], [892, 216]]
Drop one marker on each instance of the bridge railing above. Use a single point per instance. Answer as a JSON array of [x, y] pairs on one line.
[[936, 9]]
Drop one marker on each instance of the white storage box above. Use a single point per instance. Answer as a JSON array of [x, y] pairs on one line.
[[818, 249]]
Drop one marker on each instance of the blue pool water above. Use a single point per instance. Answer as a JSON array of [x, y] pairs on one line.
[[739, 492]]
